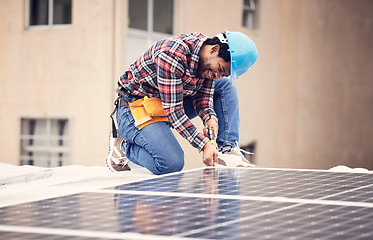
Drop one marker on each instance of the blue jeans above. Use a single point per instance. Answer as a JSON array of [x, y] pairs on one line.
[[156, 148]]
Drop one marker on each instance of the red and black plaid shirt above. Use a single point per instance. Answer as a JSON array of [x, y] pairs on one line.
[[168, 71]]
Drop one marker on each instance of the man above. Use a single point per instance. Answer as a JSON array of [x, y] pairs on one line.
[[188, 75]]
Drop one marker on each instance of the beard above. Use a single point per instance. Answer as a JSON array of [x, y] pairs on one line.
[[202, 67]]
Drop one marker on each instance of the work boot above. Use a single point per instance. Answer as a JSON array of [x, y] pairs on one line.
[[232, 157], [116, 160]]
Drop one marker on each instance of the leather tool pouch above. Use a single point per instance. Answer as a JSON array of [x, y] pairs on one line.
[[146, 111]]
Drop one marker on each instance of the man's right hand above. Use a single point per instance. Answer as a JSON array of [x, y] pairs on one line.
[[210, 154]]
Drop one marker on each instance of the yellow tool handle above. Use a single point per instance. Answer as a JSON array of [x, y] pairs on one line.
[[211, 134]]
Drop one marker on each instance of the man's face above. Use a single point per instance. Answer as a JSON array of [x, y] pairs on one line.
[[210, 65]]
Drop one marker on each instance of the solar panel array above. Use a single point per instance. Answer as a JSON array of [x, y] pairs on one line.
[[209, 203]]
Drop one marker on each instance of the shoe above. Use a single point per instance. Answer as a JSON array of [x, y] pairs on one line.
[[234, 158], [116, 160]]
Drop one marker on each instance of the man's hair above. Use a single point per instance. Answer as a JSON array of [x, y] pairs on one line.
[[223, 51]]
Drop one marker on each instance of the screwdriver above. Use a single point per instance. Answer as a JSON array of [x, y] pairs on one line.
[[211, 134]]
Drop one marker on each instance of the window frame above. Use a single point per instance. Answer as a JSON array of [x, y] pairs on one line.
[[149, 33], [47, 136], [50, 24], [248, 23]]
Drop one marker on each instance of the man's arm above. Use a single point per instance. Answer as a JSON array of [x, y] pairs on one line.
[[169, 73], [203, 100]]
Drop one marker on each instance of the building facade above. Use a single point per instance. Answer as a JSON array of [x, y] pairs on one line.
[[306, 103]]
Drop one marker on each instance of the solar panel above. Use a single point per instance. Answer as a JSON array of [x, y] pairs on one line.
[[263, 182], [208, 203]]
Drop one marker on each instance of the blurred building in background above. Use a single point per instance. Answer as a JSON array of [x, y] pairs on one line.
[[306, 103]]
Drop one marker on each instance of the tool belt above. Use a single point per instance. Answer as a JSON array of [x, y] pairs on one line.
[[146, 111]]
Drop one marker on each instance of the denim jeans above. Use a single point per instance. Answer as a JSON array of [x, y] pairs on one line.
[[156, 148]]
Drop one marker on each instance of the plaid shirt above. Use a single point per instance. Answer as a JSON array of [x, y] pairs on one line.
[[168, 71]]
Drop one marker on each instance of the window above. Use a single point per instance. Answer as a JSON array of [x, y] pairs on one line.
[[45, 142], [149, 21], [163, 14], [138, 14], [151, 15], [48, 12], [248, 13]]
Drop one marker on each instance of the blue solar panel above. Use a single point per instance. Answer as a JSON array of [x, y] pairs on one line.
[[265, 183], [210, 203]]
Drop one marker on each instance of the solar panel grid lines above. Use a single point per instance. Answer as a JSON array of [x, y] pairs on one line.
[[306, 226], [302, 186], [41, 233], [287, 184], [101, 218], [240, 197], [210, 203]]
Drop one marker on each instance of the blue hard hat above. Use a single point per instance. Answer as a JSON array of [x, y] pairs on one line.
[[243, 53]]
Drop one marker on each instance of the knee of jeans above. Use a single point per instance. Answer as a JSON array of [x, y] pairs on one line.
[[223, 82], [170, 165]]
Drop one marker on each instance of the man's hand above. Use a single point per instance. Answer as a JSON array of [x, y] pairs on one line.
[[213, 123], [210, 154]]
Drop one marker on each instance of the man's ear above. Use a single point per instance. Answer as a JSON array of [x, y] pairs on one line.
[[215, 48]]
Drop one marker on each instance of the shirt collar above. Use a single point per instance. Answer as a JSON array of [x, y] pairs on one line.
[[195, 55]]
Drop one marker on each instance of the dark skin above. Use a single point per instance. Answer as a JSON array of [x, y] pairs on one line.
[[211, 67]]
